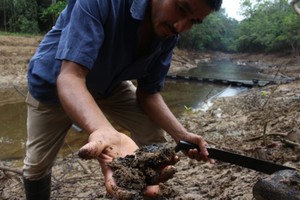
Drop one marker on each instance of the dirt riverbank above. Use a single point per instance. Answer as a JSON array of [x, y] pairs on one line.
[[263, 123]]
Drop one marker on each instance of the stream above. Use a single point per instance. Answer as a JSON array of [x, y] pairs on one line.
[[179, 95]]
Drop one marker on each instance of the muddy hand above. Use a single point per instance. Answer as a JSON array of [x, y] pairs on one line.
[[166, 171], [154, 191], [91, 150], [105, 147], [151, 191], [199, 153]]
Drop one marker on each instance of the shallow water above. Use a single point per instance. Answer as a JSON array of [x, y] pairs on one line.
[[228, 71], [180, 96], [13, 134]]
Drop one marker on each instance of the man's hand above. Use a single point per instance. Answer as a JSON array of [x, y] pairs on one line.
[[194, 153], [105, 149]]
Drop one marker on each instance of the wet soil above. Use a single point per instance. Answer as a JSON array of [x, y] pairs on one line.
[[262, 123], [134, 172]]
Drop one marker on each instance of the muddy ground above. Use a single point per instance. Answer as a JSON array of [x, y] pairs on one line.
[[263, 123]]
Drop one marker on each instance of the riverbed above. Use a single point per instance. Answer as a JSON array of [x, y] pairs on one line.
[[181, 96], [233, 123]]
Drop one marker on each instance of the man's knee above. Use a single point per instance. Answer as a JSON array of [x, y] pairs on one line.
[[36, 168], [149, 136]]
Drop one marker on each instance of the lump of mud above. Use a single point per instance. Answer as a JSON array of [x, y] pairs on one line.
[[134, 172]]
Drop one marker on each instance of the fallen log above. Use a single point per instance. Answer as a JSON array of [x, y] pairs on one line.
[[282, 185]]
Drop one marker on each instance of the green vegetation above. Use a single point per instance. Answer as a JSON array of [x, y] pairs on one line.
[[268, 25], [264, 93], [187, 108], [29, 16]]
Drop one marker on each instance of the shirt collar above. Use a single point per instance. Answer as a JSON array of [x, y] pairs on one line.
[[138, 9]]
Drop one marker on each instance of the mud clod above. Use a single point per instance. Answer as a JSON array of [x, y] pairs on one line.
[[134, 172]]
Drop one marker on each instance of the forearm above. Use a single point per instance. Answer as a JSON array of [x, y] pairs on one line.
[[159, 112], [77, 101]]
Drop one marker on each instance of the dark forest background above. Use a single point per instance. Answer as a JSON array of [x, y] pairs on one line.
[[268, 25]]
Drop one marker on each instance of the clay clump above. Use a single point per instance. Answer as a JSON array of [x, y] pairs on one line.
[[134, 172]]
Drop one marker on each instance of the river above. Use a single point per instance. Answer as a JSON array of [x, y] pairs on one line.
[[180, 96]]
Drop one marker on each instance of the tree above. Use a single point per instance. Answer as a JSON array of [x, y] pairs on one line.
[[23, 20], [295, 7], [53, 10], [269, 26], [217, 33], [3, 8]]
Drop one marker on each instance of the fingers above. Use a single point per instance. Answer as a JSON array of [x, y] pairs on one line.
[[204, 154], [161, 190], [117, 192], [200, 153], [195, 154], [110, 184], [172, 161], [91, 150], [203, 144], [167, 173], [115, 146], [152, 191]]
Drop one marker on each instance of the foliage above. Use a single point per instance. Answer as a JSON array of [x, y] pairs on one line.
[[264, 93], [187, 108], [216, 33], [23, 20], [23, 16], [54, 10], [268, 25]]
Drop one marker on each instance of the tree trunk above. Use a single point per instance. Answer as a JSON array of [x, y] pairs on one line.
[[295, 7], [4, 16]]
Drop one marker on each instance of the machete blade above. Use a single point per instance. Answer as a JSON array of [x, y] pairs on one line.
[[237, 159]]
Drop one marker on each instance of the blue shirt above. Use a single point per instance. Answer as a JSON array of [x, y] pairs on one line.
[[101, 35]]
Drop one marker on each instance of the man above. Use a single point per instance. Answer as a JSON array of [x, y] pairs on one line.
[[79, 74]]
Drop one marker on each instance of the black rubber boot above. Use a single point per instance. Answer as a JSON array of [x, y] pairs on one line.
[[38, 189]]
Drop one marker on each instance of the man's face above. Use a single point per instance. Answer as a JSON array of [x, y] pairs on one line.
[[170, 17]]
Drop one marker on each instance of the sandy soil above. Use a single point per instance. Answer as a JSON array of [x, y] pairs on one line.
[[262, 123]]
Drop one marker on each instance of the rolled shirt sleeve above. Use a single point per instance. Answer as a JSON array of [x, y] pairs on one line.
[[83, 36]]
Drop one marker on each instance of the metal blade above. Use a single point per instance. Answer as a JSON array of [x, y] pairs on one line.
[[237, 159]]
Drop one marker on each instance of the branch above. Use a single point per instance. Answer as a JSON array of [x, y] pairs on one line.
[[290, 143], [269, 134], [15, 170]]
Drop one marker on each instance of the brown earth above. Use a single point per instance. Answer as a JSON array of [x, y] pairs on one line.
[[262, 123]]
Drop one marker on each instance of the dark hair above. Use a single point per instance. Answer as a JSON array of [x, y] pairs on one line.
[[214, 4]]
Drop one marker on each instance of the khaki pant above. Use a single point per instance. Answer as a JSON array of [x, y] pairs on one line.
[[47, 126]]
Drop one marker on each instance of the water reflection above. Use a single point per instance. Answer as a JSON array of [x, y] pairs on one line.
[[12, 130], [182, 95], [13, 134], [227, 70]]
